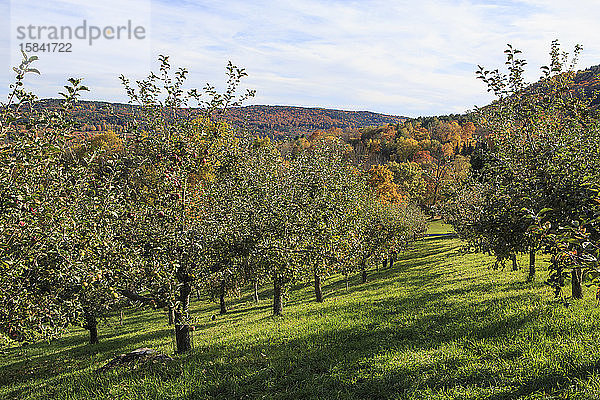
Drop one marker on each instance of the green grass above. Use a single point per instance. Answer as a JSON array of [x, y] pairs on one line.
[[437, 227], [438, 325]]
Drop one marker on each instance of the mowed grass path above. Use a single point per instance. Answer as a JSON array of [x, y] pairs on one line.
[[438, 325]]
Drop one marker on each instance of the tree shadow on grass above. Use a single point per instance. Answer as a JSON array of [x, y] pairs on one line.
[[43, 366], [37, 362], [417, 255], [405, 346], [325, 365], [328, 364], [302, 368], [550, 382], [345, 363]]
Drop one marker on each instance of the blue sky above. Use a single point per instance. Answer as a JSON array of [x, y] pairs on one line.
[[398, 57]]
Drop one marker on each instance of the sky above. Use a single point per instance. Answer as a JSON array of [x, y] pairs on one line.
[[407, 58]]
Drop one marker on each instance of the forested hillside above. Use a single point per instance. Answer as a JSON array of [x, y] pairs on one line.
[[421, 161], [286, 122], [278, 122]]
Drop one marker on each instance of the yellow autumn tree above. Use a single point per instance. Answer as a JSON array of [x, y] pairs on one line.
[[381, 180]]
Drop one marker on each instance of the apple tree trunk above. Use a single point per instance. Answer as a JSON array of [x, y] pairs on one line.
[[182, 327], [222, 303], [318, 289], [531, 275], [576, 278], [277, 295], [91, 324]]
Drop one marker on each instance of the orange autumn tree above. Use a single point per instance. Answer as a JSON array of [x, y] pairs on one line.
[[467, 131]]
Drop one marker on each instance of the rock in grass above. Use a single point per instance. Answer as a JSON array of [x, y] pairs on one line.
[[135, 358]]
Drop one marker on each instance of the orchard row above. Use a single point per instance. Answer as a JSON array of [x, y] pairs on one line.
[[173, 206]]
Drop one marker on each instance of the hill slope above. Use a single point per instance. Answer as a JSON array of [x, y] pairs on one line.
[[291, 121], [589, 81], [285, 121], [437, 325], [272, 121]]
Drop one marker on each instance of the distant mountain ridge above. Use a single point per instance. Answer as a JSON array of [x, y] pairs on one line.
[[292, 120], [265, 120], [589, 80]]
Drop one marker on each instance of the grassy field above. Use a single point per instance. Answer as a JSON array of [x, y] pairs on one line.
[[437, 325], [438, 227]]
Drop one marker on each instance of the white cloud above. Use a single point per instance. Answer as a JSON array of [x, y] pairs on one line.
[[399, 57]]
